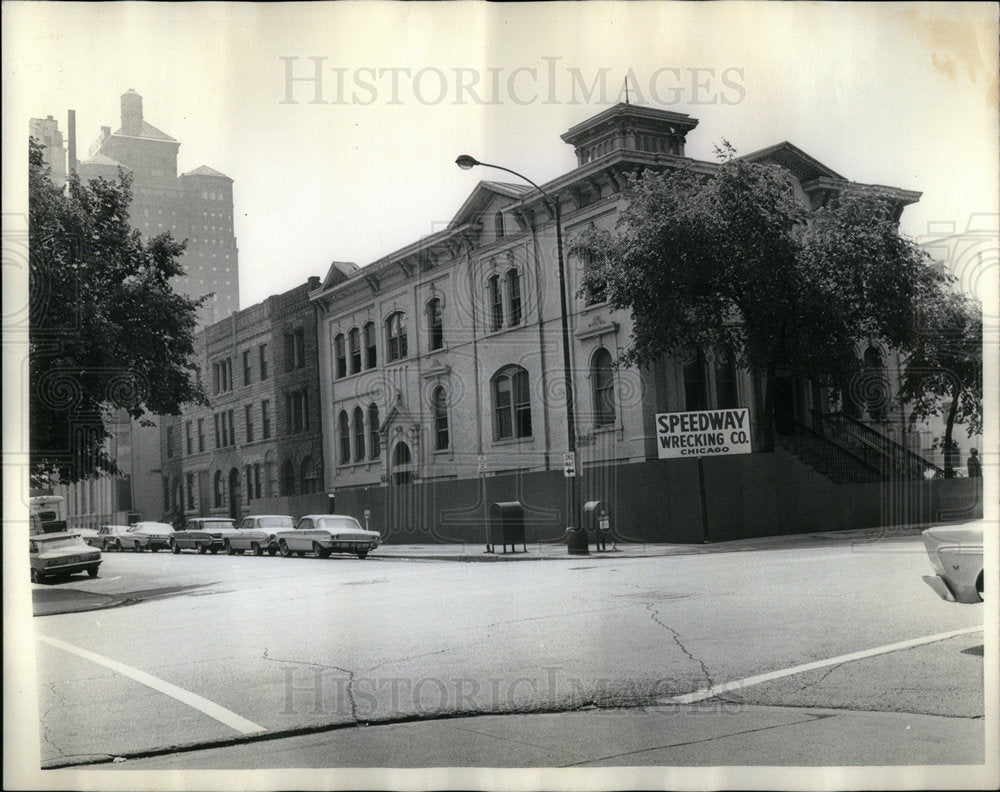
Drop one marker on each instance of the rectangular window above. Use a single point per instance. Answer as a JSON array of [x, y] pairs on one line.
[[188, 438], [354, 341], [695, 385], [222, 375], [249, 475], [371, 357], [232, 430], [246, 367], [299, 347], [505, 423], [189, 489], [514, 296], [218, 431], [298, 418], [262, 353], [256, 480], [496, 303], [201, 435], [248, 414], [265, 418], [340, 353], [170, 442]]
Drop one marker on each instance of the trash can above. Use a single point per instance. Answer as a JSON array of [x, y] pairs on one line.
[[507, 525], [596, 521]]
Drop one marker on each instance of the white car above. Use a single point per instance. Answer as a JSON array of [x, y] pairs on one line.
[[152, 536], [323, 534], [258, 534], [956, 553]]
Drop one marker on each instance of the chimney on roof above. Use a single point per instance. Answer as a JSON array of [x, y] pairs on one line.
[[313, 282], [131, 113]]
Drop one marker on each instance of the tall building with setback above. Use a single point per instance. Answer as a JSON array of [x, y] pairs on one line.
[[196, 206]]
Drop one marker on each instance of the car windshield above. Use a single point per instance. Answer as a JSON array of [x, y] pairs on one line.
[[276, 522], [59, 544], [338, 523]]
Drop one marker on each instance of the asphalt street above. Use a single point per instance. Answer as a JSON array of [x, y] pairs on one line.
[[797, 655]]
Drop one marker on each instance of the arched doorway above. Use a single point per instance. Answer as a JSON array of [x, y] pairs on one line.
[[402, 466], [402, 511], [234, 494]]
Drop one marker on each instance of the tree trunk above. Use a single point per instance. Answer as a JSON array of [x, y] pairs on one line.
[[768, 427], [949, 427]]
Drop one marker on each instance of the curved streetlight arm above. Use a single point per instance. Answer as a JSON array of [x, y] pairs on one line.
[[466, 162]]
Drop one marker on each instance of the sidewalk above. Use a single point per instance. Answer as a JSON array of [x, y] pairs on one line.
[[554, 551]]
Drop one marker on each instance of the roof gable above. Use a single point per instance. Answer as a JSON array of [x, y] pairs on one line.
[[485, 193], [793, 159]]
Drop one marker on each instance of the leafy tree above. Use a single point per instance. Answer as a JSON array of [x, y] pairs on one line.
[[729, 261], [944, 368], [108, 335]]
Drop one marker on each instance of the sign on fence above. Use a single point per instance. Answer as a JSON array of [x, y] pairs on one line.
[[703, 433]]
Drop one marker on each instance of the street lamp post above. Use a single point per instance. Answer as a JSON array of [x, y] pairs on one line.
[[575, 545]]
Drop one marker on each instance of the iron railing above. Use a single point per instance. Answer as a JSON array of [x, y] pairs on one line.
[[829, 457], [896, 459]]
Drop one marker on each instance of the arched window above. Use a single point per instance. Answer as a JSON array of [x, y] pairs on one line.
[[496, 302], [340, 353], [359, 434], [354, 345], [345, 438], [695, 383], [602, 378], [498, 225], [218, 489], [726, 395], [511, 403], [875, 384], [371, 354], [308, 477], [439, 401], [374, 446], [288, 478], [435, 326], [514, 297], [395, 333]]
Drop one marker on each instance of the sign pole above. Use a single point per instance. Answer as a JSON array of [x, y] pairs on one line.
[[704, 501]]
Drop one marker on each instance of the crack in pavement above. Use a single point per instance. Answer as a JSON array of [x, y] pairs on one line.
[[654, 615], [812, 718], [350, 680]]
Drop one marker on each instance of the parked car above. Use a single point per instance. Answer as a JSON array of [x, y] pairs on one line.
[[89, 535], [956, 553], [111, 538], [323, 534], [258, 533], [203, 534], [54, 554], [152, 536]]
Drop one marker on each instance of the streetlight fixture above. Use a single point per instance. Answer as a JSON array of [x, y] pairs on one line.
[[574, 545]]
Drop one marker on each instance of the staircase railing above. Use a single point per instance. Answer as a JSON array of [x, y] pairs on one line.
[[837, 461], [901, 460]]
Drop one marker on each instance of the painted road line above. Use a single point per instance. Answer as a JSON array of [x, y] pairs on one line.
[[209, 708], [739, 684]]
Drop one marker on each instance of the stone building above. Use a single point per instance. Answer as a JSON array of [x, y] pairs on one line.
[[256, 447], [443, 391]]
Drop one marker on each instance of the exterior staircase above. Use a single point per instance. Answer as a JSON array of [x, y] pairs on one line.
[[846, 450]]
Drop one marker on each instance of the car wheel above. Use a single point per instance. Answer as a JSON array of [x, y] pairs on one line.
[[36, 576], [321, 552], [362, 554], [137, 547], [213, 550], [106, 546], [201, 549], [255, 549], [92, 571], [174, 548], [228, 548], [272, 550], [285, 550]]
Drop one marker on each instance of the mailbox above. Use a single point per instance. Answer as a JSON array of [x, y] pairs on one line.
[[597, 521], [506, 525]]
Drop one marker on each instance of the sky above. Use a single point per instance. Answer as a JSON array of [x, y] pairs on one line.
[[901, 94]]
